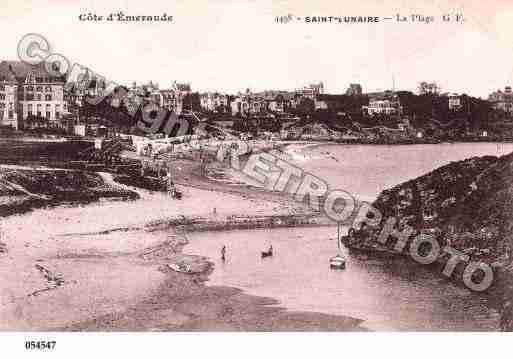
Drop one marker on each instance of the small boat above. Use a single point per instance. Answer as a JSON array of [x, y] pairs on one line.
[[338, 262], [267, 254], [180, 267]]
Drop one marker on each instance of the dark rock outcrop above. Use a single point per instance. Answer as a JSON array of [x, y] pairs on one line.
[[467, 205], [22, 189]]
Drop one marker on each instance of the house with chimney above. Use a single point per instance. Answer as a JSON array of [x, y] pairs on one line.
[[502, 100], [30, 96], [311, 91], [454, 102], [214, 101], [383, 103], [170, 99], [354, 90]]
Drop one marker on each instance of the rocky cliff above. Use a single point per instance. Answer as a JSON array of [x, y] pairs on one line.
[[467, 205]]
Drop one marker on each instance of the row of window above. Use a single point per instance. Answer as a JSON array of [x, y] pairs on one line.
[[48, 114], [31, 97], [31, 106], [10, 113], [48, 106], [37, 97], [30, 110], [42, 79], [31, 88], [39, 88]]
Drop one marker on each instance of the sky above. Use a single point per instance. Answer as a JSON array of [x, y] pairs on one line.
[[229, 45]]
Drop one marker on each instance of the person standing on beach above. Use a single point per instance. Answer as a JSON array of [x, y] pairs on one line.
[[223, 253]]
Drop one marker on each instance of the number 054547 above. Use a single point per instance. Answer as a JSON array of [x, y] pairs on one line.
[[40, 345]]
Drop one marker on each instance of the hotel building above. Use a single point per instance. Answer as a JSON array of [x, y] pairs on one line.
[[30, 97]]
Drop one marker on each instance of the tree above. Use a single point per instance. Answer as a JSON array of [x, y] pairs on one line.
[[306, 106], [192, 102], [428, 88]]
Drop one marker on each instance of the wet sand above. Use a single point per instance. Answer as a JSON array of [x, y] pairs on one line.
[[103, 266], [184, 303]]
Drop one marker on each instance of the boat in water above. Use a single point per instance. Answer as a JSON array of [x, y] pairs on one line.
[[269, 252], [180, 267], [337, 262]]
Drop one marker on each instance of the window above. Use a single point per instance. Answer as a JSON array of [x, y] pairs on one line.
[[39, 109], [11, 114], [48, 97], [29, 88], [57, 111], [2, 87], [39, 97], [29, 97], [39, 88], [39, 80], [48, 89], [2, 96]]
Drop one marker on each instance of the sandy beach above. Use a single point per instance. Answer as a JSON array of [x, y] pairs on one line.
[[103, 265]]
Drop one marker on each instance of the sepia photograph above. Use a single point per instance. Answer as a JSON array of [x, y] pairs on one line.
[[230, 168]]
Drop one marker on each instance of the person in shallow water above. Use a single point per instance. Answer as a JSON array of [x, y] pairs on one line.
[[223, 253]]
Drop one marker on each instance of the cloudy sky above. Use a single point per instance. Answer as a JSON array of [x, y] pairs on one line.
[[232, 45]]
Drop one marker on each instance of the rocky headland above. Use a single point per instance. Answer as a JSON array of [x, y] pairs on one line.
[[467, 205]]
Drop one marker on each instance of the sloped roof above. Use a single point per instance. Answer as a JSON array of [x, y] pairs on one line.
[[18, 70], [183, 87]]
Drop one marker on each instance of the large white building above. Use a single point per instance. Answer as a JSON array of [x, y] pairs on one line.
[[454, 101], [30, 96], [171, 99], [214, 101], [383, 104], [312, 91], [502, 100]]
